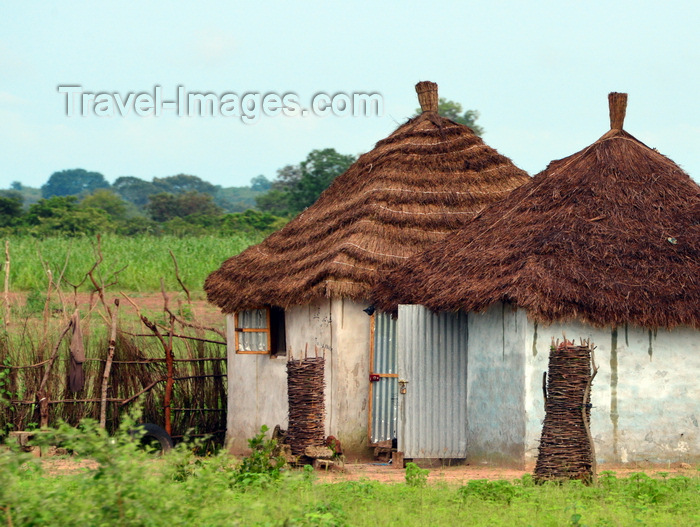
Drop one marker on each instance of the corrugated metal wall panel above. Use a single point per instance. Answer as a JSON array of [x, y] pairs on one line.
[[384, 391], [432, 357]]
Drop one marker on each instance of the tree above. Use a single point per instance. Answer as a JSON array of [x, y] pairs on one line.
[[60, 215], [10, 210], [236, 199], [162, 206], [275, 202], [166, 206], [183, 183], [108, 201], [318, 171], [14, 195], [260, 183], [299, 186], [453, 110], [287, 177], [73, 182], [26, 195], [134, 190], [51, 207]]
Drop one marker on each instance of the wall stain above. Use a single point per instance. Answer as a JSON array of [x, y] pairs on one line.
[[503, 328], [534, 342], [614, 415]]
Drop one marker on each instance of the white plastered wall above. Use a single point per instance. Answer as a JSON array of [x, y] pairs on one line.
[[337, 329], [257, 393], [645, 397]]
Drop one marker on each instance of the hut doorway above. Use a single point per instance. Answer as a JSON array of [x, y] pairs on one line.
[[383, 379], [432, 368]]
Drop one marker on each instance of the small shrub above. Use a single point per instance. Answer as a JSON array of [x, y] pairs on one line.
[[6, 396], [500, 491], [416, 476], [646, 489], [261, 467], [321, 515], [308, 474]]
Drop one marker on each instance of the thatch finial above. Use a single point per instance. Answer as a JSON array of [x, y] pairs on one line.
[[427, 96], [618, 107]]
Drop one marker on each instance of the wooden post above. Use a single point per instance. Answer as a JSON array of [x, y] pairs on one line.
[[397, 460], [169, 381], [168, 347], [41, 394], [108, 365], [585, 410]]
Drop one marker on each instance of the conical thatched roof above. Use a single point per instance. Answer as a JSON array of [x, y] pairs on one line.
[[426, 179], [609, 235]]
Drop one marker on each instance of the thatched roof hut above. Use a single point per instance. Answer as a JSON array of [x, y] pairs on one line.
[[426, 179], [609, 235]]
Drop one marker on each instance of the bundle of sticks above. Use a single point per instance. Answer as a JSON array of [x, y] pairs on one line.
[[566, 447], [305, 386]]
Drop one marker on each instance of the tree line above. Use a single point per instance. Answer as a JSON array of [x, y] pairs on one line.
[[80, 202]]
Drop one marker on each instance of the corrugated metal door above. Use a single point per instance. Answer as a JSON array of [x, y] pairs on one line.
[[383, 379], [432, 360]]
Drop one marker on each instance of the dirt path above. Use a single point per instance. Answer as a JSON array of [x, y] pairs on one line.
[[462, 473], [148, 303], [388, 474], [454, 475]]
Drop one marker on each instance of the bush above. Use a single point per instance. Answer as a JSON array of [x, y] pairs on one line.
[[262, 466], [415, 476], [500, 491]]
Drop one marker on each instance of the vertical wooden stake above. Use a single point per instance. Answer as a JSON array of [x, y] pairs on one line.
[[169, 381], [108, 364], [585, 412], [168, 348], [41, 394]]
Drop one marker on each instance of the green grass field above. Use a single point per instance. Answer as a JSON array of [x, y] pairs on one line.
[[127, 486], [144, 260], [183, 490]]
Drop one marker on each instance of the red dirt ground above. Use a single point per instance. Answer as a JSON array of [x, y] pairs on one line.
[[148, 303], [453, 475], [461, 473]]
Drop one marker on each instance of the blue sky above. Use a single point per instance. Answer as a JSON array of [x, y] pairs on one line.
[[538, 72]]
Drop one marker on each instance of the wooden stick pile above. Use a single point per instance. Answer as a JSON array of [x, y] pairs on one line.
[[305, 384], [566, 448]]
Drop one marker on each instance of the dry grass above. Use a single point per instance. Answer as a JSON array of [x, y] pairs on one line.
[[138, 364], [609, 235], [428, 178]]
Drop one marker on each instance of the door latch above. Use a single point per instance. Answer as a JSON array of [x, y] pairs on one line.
[[402, 384]]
